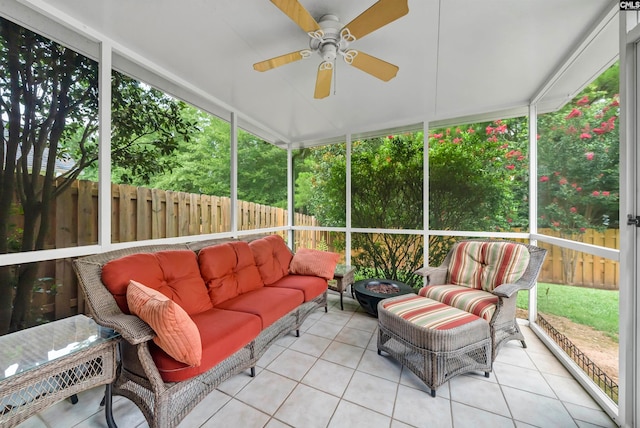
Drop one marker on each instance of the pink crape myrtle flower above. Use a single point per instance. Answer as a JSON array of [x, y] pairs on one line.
[[589, 155], [574, 113], [582, 101]]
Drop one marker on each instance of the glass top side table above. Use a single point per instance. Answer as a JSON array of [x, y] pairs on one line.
[[42, 365]]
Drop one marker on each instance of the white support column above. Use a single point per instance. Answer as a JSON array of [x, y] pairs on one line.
[[290, 197], [348, 199], [104, 151], [629, 322], [533, 197], [234, 172], [425, 192]]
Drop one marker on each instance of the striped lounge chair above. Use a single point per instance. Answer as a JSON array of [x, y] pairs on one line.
[[483, 277]]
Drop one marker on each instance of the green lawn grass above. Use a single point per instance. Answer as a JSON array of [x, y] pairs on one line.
[[586, 306]]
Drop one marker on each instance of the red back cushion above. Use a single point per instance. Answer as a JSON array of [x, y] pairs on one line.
[[174, 273], [248, 275], [272, 256], [117, 274], [228, 270], [216, 266]]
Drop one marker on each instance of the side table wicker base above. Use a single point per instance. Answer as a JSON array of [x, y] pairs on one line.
[[42, 365], [433, 340]]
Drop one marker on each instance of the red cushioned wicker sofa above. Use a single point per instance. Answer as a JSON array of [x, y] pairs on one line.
[[239, 294]]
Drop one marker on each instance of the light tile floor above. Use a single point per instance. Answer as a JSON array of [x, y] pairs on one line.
[[332, 376]]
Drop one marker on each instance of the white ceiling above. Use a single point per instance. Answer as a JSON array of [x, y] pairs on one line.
[[457, 59]]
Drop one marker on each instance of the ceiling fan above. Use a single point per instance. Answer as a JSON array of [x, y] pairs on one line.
[[329, 38]]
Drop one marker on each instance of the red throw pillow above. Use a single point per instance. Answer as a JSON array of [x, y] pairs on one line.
[[314, 262], [176, 333]]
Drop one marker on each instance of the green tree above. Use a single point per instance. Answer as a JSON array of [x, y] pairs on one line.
[[262, 171], [48, 110], [321, 183], [578, 184], [477, 180], [387, 192], [202, 164]]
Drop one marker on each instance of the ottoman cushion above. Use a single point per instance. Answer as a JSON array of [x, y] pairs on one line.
[[428, 313], [433, 340]]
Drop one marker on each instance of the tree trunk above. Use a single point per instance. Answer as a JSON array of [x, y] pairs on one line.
[[6, 301], [11, 34], [22, 300]]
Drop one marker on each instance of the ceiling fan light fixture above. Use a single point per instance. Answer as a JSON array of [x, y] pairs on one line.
[[329, 52]]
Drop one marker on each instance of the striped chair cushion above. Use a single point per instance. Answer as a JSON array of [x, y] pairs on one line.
[[465, 267], [505, 263], [477, 302], [428, 313], [486, 265]]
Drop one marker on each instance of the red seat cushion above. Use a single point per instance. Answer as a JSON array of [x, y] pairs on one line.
[[269, 303], [272, 257], [311, 286], [174, 273], [222, 333]]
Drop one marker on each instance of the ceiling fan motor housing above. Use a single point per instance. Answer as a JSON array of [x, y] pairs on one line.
[[329, 42]]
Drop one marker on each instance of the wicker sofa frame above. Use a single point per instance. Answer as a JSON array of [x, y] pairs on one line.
[[165, 404], [503, 323]]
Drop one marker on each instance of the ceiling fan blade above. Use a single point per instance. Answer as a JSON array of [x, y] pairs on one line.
[[323, 81], [378, 15], [281, 60], [298, 14], [372, 65]]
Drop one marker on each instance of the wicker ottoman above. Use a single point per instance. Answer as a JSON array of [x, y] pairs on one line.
[[433, 340]]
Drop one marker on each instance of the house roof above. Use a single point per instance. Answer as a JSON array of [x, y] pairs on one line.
[[458, 60]]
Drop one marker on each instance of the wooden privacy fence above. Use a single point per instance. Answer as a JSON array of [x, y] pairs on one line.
[[587, 270], [139, 213]]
